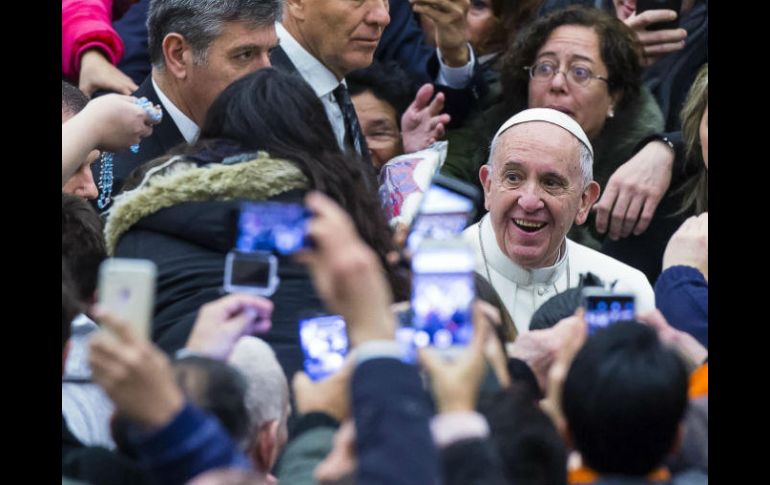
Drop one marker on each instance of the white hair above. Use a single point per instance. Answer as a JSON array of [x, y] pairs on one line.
[[585, 158], [267, 395]]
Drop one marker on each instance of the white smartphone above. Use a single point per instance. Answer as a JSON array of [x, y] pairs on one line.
[[127, 290]]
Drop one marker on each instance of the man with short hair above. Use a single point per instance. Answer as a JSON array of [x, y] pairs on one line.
[[81, 183], [267, 401], [197, 48], [537, 182], [624, 398], [84, 405], [324, 40]]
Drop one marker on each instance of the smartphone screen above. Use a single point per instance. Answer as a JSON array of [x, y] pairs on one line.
[[443, 214], [324, 345], [606, 309], [127, 290], [272, 226], [442, 293], [252, 272]]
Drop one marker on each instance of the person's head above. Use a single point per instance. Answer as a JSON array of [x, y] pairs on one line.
[[381, 94], [340, 34], [216, 388], [82, 244], [267, 400], [623, 399], [81, 183], [198, 47], [695, 134], [537, 182], [581, 61], [280, 113], [531, 450], [562, 305]]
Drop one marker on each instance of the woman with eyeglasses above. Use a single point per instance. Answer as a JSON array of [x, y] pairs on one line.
[[585, 63]]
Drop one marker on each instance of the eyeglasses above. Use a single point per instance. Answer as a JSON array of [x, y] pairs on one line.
[[545, 71]]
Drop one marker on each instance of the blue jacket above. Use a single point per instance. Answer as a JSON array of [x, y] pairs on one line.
[[682, 296]]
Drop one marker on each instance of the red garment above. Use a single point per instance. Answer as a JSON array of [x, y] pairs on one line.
[[86, 24]]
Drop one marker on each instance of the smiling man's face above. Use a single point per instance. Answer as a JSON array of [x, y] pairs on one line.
[[534, 191]]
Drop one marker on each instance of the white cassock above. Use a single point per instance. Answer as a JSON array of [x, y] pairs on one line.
[[524, 290]]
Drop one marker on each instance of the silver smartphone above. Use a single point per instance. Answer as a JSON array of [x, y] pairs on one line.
[[127, 290]]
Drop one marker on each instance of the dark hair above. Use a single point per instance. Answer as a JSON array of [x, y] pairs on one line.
[[69, 304], [73, 100], [200, 22], [82, 244], [511, 18], [530, 448], [388, 82], [506, 332], [618, 47], [562, 305], [280, 113], [696, 189], [624, 397], [216, 388]]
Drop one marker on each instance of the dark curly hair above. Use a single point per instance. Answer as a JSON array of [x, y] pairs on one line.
[[618, 45]]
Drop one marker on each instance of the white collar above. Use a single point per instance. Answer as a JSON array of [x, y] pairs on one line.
[[320, 78], [512, 271], [186, 126]]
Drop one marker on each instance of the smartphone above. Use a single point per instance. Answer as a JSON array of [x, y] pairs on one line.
[[443, 290], [603, 307], [675, 5], [277, 227], [324, 344], [254, 272], [127, 290], [444, 212]]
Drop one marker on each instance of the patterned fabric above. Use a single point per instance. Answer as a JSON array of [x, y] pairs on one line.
[[353, 135]]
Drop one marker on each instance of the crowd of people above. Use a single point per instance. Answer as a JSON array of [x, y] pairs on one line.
[[583, 124]]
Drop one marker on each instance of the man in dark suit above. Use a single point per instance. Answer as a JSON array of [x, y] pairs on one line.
[[324, 40], [197, 48]]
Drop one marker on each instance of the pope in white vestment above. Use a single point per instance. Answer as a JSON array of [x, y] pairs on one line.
[[538, 182]]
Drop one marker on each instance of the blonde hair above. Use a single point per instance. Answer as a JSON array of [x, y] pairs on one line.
[[696, 189]]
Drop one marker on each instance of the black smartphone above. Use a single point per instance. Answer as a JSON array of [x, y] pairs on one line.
[[444, 212], [253, 272], [277, 227], [675, 5], [603, 308]]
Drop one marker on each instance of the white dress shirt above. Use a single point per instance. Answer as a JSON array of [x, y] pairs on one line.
[[323, 81], [186, 126]]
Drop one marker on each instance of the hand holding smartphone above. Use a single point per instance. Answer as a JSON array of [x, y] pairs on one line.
[[127, 290]]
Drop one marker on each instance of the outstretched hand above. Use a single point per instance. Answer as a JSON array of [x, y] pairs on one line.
[[422, 124]]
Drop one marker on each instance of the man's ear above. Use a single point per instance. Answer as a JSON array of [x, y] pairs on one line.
[[485, 176], [587, 200], [295, 9], [177, 55], [264, 446]]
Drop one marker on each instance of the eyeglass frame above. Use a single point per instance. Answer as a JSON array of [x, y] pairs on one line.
[[531, 70]]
